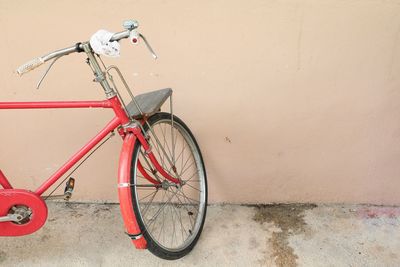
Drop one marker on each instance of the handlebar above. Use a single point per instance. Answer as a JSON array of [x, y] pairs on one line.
[[34, 63], [30, 65]]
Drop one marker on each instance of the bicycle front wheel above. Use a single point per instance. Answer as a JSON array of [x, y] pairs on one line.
[[171, 217]]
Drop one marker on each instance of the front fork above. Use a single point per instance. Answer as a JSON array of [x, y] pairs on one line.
[[137, 131], [130, 135]]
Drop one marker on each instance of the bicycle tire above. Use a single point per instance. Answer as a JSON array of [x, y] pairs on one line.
[[173, 196]]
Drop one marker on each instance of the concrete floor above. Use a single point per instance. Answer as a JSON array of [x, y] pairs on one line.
[[275, 235]]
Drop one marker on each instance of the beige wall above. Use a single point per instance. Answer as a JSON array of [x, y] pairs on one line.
[[289, 100]]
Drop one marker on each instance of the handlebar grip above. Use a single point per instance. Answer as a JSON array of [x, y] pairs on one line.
[[33, 64]]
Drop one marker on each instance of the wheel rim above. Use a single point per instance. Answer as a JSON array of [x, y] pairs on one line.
[[171, 215]]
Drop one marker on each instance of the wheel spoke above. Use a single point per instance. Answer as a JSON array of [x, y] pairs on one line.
[[183, 204], [188, 198], [184, 165], [148, 195], [163, 154], [180, 154], [148, 204], [187, 168], [191, 176], [152, 220], [155, 144], [163, 220], [183, 230], [165, 140], [194, 187]]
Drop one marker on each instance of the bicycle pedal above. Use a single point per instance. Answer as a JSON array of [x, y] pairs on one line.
[[69, 188]]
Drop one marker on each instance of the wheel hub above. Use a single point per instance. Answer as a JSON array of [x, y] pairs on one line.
[[165, 185]]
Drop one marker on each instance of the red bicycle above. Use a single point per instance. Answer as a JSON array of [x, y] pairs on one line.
[[162, 184]]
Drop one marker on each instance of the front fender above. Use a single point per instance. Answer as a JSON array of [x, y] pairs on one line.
[[124, 192]]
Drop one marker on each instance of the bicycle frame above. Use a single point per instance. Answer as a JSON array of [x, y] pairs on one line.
[[127, 129], [119, 119]]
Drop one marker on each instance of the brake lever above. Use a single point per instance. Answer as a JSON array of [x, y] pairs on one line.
[[148, 46], [45, 73]]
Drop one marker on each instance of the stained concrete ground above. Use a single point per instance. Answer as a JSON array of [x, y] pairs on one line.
[[270, 235]]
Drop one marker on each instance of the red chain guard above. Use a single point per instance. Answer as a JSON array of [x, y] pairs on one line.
[[14, 197]]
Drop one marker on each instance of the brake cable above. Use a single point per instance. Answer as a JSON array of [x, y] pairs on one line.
[[47, 70]]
